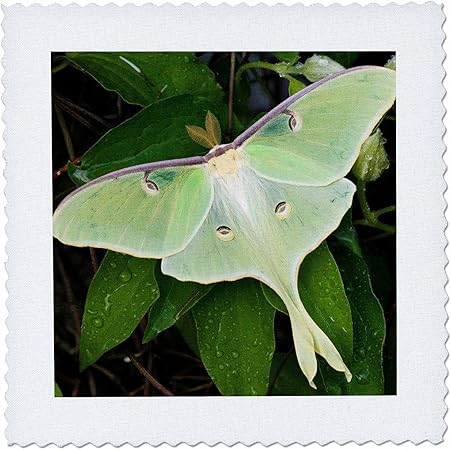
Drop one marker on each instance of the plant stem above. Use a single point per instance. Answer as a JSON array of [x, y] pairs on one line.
[[155, 383], [70, 107], [283, 69], [366, 210], [62, 65], [254, 65], [111, 376], [66, 134], [371, 217], [385, 210], [94, 262], [231, 93], [377, 237], [379, 225]]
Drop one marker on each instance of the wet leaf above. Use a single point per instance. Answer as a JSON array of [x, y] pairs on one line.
[[290, 57], [235, 328], [320, 66], [176, 299], [120, 294], [294, 86], [346, 59], [369, 324], [187, 328], [287, 378], [145, 77], [390, 358], [243, 117], [346, 234], [156, 133], [58, 392]]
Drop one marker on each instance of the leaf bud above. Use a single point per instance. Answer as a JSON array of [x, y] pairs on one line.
[[391, 63], [372, 160], [319, 66]]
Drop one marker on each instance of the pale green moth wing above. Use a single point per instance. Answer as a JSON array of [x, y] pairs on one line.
[[143, 213], [263, 229], [314, 137]]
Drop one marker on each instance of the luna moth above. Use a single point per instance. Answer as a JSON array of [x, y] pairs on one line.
[[252, 208]]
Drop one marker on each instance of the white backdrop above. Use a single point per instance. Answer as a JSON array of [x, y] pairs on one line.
[[2, 221]]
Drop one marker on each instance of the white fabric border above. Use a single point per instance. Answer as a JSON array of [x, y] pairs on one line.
[[415, 413]]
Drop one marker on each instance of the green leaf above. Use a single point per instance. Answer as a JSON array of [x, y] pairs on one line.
[[294, 86], [373, 160], [381, 262], [287, 378], [290, 57], [121, 292], [187, 328], [323, 295], [58, 392], [320, 66], [235, 327], [143, 78], [390, 359], [242, 114], [346, 59], [391, 63], [156, 133], [273, 299], [176, 298], [346, 234], [369, 324]]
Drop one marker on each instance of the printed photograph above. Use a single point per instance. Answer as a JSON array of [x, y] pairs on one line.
[[224, 223]]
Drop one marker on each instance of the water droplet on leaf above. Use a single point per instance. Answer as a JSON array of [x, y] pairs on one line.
[[125, 275], [107, 305], [334, 389], [98, 322], [363, 375], [359, 355]]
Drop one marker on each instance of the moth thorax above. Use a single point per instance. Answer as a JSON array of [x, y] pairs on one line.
[[226, 165]]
